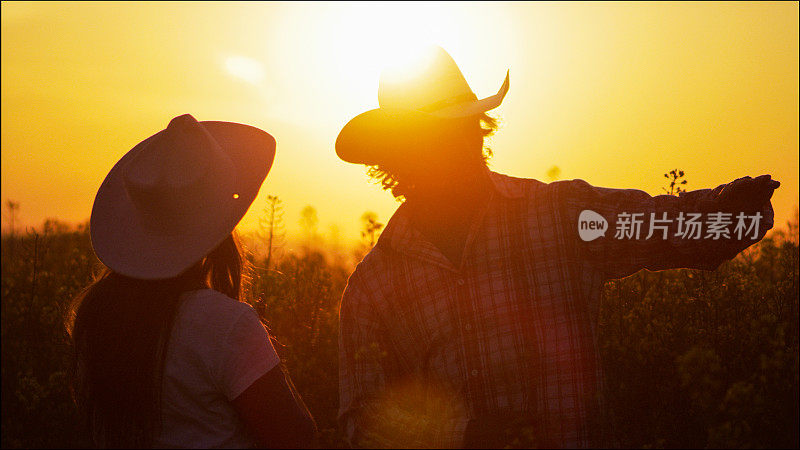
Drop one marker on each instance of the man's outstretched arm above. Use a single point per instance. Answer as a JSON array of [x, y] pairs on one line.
[[698, 229]]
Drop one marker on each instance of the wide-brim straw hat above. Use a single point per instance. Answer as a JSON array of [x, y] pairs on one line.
[[177, 195], [413, 106]]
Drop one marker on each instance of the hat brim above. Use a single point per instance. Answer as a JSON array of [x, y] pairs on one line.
[[382, 134], [124, 244]]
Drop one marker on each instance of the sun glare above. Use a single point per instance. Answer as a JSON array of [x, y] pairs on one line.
[[341, 49], [372, 37]]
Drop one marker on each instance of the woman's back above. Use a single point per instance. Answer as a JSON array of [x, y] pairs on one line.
[[165, 355], [216, 350]]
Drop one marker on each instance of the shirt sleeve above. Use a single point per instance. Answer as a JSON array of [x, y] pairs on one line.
[[664, 238], [247, 354], [369, 414]]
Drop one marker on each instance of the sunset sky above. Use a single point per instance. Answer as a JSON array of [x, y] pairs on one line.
[[615, 94]]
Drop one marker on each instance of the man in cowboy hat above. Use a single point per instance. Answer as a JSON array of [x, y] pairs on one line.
[[473, 321]]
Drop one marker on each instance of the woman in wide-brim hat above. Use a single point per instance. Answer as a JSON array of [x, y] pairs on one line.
[[165, 353]]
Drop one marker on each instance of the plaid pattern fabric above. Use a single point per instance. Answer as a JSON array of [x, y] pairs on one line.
[[426, 346]]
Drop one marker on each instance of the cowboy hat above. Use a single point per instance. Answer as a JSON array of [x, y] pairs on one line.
[[412, 105], [177, 195]]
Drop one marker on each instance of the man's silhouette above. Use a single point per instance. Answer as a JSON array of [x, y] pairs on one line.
[[473, 320]]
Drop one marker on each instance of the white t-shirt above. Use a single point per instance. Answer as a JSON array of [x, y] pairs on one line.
[[217, 349]]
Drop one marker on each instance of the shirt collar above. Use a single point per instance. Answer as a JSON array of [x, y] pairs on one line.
[[400, 235]]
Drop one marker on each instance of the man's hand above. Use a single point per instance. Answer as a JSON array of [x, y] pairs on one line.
[[747, 194]]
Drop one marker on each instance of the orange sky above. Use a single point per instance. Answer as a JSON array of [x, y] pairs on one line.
[[616, 94]]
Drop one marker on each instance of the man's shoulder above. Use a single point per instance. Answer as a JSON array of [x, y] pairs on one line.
[[366, 287], [518, 187], [371, 268], [514, 187]]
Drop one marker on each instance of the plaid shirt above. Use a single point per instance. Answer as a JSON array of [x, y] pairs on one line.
[[426, 346]]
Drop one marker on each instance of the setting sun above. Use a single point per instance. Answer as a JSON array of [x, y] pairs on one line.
[[367, 38]]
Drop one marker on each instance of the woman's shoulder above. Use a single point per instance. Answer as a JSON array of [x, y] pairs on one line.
[[209, 305]]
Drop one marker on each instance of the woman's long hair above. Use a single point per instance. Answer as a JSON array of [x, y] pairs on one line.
[[120, 328]]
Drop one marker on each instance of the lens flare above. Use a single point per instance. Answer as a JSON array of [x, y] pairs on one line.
[[244, 68]]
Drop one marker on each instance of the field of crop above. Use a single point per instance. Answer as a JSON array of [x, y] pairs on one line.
[[692, 358]]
